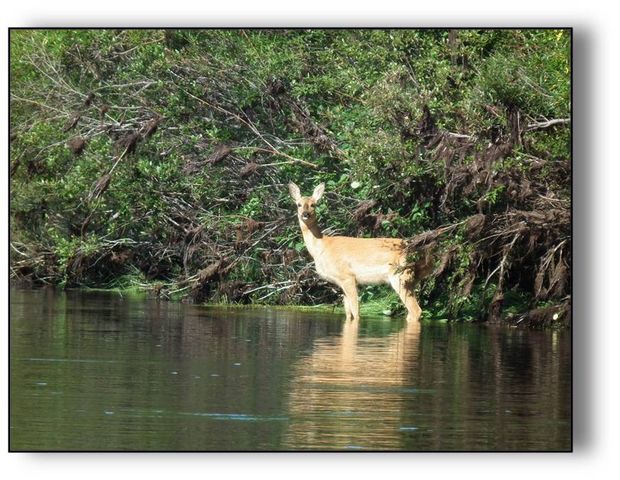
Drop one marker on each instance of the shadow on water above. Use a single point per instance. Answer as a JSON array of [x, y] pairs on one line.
[[98, 371]]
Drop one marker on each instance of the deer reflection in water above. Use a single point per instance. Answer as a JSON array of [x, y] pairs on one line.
[[349, 390]]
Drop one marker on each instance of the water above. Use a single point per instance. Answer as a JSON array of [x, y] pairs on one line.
[[99, 371]]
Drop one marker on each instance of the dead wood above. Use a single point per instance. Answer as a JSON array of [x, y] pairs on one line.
[[72, 121], [150, 127], [128, 143], [76, 145], [248, 169], [219, 154]]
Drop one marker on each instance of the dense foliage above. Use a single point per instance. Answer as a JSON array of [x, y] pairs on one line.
[[160, 158]]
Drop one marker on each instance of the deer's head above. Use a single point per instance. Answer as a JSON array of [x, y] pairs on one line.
[[306, 205]]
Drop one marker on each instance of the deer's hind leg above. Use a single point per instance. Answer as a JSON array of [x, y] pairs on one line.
[[400, 282]]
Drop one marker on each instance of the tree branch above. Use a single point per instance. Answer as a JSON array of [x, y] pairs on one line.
[[547, 124]]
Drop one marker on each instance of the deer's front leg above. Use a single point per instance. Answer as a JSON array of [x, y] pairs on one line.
[[347, 308], [351, 303]]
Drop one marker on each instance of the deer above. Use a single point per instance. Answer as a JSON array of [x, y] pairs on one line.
[[349, 261]]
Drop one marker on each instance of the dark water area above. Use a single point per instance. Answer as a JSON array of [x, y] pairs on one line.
[[101, 371]]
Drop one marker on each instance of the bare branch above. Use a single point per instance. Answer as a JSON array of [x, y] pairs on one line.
[[547, 124]]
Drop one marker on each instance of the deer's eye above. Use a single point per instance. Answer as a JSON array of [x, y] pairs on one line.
[[312, 205], [299, 204]]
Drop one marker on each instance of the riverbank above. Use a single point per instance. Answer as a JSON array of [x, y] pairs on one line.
[[162, 158], [385, 305]]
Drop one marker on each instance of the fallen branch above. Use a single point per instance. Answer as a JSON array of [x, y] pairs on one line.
[[547, 124], [276, 152]]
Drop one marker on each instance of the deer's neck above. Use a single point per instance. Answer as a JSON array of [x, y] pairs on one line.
[[313, 237]]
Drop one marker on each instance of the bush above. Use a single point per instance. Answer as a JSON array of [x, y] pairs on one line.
[[187, 139]]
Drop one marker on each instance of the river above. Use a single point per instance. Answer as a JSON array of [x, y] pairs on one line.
[[98, 371]]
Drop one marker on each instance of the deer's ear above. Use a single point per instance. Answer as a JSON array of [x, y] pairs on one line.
[[294, 191], [318, 192]]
